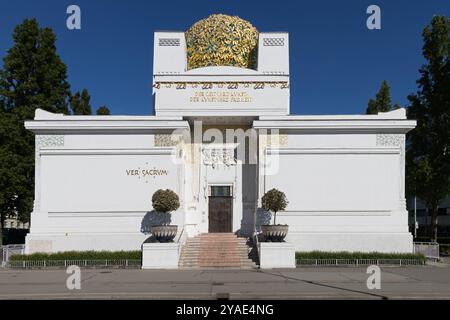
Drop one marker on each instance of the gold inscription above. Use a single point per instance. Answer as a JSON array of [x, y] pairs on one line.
[[145, 173], [220, 96]]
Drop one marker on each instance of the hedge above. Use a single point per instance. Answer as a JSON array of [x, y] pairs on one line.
[[358, 255], [80, 255]]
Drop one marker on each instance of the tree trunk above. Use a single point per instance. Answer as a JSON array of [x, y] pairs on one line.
[[434, 223], [275, 218]]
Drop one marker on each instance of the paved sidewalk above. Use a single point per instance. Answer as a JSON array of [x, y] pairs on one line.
[[424, 282]]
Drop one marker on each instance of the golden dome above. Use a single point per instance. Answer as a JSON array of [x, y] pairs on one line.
[[221, 40]]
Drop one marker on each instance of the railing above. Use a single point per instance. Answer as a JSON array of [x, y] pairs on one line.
[[30, 264], [181, 239], [357, 262], [256, 243], [428, 249], [9, 250]]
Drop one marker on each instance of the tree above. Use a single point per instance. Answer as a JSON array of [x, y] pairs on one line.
[[165, 200], [428, 145], [274, 200], [372, 107], [33, 76], [103, 111], [382, 102], [80, 103]]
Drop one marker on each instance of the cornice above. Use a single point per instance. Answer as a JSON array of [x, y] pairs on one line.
[[68, 125], [349, 125]]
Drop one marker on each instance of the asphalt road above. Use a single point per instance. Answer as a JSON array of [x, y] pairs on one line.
[[423, 282]]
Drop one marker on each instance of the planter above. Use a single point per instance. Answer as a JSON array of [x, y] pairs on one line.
[[164, 233], [274, 233]]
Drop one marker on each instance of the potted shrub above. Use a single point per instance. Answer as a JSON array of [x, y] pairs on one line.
[[165, 201], [273, 201]]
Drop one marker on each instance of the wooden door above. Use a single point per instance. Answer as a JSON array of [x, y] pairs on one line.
[[220, 214]]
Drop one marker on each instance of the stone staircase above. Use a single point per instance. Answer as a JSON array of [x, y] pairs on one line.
[[216, 250]]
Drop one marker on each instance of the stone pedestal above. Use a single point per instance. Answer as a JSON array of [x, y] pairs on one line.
[[276, 255], [160, 255]]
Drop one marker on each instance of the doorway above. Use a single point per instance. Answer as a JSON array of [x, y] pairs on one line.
[[220, 209]]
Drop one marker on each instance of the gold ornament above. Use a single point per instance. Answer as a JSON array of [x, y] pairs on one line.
[[222, 40]]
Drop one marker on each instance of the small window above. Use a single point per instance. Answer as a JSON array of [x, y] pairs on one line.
[[220, 191]]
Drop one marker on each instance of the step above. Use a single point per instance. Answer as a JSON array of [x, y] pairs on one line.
[[214, 258], [216, 250], [229, 252], [195, 254], [242, 258]]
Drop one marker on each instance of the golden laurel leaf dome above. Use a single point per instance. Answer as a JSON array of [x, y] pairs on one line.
[[221, 40]]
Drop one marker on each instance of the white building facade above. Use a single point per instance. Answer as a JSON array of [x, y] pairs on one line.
[[221, 137]]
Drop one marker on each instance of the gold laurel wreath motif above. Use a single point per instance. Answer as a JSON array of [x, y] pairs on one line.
[[222, 85], [222, 40]]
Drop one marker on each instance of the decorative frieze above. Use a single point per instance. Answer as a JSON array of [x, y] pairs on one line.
[[166, 140], [390, 140], [215, 156], [43, 141], [273, 140], [221, 85]]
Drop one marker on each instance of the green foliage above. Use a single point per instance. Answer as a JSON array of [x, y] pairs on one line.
[[383, 97], [428, 145], [274, 200], [80, 255], [33, 76], [80, 103], [165, 200], [358, 255], [382, 102], [444, 249], [103, 111], [372, 107]]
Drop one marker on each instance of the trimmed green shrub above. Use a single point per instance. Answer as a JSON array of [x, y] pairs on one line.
[[79, 255], [165, 201], [358, 255], [274, 200]]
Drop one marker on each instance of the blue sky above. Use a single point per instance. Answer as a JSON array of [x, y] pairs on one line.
[[336, 63]]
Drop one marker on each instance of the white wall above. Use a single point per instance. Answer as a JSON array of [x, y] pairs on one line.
[[344, 183], [103, 182], [93, 191], [345, 180], [197, 101], [178, 91]]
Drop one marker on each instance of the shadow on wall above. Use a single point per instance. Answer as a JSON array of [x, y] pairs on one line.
[[154, 218], [263, 217]]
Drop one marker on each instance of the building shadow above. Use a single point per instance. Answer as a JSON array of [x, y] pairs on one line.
[[263, 217], [154, 218]]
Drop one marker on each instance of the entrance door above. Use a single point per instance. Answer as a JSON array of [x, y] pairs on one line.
[[220, 214]]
